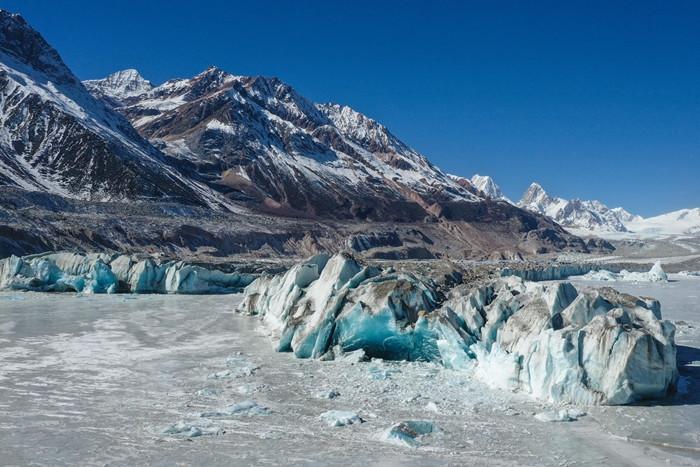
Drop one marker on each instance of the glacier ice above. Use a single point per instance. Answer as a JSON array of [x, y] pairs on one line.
[[192, 430], [549, 340], [330, 394], [340, 418], [655, 274], [409, 432], [101, 273], [245, 408]]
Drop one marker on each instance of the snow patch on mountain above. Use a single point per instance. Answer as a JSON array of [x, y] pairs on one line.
[[216, 125]]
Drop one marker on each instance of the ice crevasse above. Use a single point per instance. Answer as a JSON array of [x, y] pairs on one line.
[[595, 346], [102, 273]]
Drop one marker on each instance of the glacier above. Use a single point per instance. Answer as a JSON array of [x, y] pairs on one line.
[[551, 341], [655, 274], [103, 273]]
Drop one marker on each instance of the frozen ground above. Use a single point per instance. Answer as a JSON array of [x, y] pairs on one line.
[[125, 380]]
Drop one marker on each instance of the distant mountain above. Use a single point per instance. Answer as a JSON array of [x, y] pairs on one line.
[[583, 217], [55, 137], [681, 222], [119, 86], [589, 215], [487, 186]]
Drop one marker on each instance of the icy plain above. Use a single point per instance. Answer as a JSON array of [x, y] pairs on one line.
[[162, 379]]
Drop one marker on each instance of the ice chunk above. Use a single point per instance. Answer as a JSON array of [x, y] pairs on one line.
[[408, 433], [340, 418], [431, 407], [208, 392], [58, 272], [183, 428], [655, 274], [356, 356], [563, 415], [245, 408], [183, 278], [330, 394]]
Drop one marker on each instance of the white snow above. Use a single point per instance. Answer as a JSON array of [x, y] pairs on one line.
[[655, 274], [681, 222], [489, 187], [216, 125], [592, 216], [120, 85]]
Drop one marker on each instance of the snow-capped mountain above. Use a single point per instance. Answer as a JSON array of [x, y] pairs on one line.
[[224, 142], [584, 217], [589, 215], [55, 137], [119, 86], [681, 222], [263, 143], [487, 186]]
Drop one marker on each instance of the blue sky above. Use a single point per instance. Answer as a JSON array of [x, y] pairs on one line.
[[591, 99]]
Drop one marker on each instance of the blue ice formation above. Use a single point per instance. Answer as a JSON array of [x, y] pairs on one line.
[[101, 273], [548, 340]]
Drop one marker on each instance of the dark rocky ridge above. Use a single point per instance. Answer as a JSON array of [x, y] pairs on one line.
[[56, 137], [34, 222]]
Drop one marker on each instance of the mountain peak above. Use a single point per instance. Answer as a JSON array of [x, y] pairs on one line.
[[120, 85], [589, 215], [534, 186], [487, 186], [535, 197], [21, 42], [212, 71]]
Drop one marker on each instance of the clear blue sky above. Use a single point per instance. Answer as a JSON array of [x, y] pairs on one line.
[[591, 99]]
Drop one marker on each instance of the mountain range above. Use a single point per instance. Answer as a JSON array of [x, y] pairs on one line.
[[586, 218], [259, 142], [249, 150]]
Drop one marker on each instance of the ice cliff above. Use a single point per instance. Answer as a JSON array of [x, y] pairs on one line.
[[549, 340], [100, 273]]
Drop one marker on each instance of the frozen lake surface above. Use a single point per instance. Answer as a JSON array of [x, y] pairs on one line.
[[153, 379]]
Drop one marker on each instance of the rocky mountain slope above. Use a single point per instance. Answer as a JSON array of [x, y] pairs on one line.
[[55, 137], [262, 143], [74, 173]]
